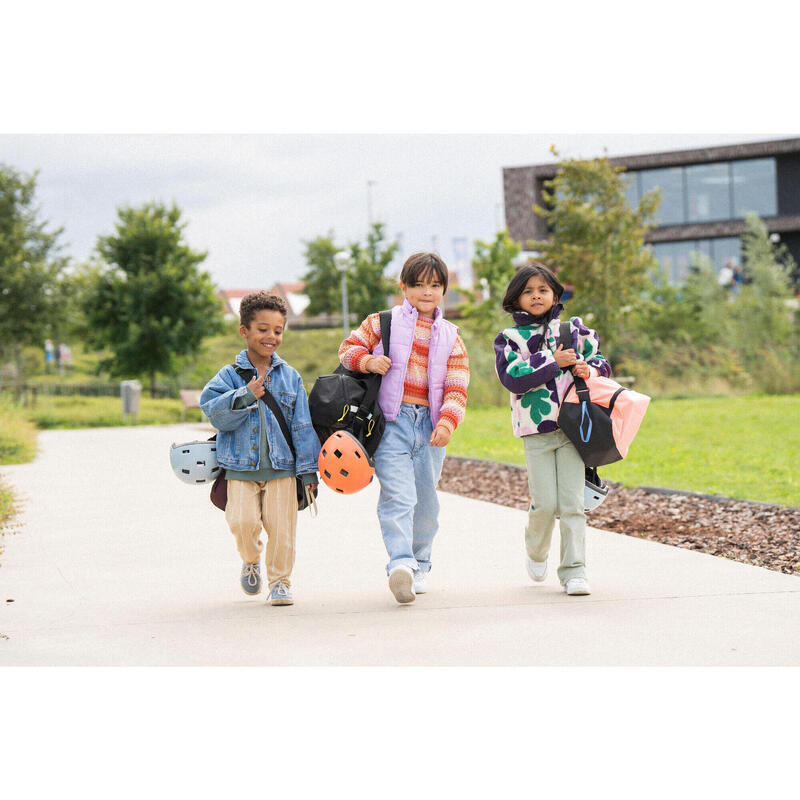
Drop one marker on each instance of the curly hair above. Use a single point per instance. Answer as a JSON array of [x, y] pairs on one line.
[[253, 302]]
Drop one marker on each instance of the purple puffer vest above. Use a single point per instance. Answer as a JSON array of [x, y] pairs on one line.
[[443, 339]]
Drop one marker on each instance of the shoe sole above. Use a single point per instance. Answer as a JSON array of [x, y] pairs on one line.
[[250, 594], [281, 602], [579, 593], [402, 586]]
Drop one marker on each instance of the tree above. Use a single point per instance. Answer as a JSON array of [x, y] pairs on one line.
[[596, 241], [34, 287], [494, 267], [150, 304], [367, 285]]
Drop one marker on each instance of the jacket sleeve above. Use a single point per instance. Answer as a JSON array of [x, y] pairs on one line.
[[589, 350], [218, 398], [519, 375], [304, 437], [454, 401]]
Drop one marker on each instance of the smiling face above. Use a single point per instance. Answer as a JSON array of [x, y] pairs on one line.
[[537, 297], [264, 335], [424, 294]]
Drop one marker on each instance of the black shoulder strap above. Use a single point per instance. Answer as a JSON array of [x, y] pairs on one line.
[[272, 404], [565, 335]]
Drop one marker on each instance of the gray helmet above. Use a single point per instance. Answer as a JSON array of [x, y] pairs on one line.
[[195, 462], [594, 490]]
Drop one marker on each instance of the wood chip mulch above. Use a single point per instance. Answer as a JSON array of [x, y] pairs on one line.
[[754, 533]]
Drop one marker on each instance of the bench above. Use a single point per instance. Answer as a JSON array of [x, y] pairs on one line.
[[190, 399]]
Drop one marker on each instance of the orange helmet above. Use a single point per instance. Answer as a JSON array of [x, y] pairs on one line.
[[344, 464]]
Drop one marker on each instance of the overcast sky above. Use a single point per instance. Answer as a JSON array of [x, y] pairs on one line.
[[251, 200]]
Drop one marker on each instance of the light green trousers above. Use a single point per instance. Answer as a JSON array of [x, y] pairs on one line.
[[556, 481]]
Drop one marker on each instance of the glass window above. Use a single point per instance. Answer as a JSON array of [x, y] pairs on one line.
[[631, 181], [708, 190], [727, 249], [670, 181], [676, 257], [755, 187]]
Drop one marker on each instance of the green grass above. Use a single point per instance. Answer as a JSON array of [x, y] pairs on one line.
[[17, 434], [744, 447], [103, 412]]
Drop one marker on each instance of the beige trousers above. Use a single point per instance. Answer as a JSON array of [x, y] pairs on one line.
[[556, 480], [272, 504]]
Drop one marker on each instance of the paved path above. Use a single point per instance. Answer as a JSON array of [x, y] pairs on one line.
[[118, 563]]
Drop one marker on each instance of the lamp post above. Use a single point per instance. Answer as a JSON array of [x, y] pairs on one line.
[[342, 261]]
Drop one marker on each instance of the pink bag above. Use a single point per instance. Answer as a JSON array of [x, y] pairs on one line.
[[601, 418]]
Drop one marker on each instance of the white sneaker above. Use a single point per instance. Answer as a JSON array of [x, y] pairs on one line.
[[577, 586], [401, 582], [536, 569], [420, 579]]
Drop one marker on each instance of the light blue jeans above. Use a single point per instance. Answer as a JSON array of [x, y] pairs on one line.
[[408, 470]]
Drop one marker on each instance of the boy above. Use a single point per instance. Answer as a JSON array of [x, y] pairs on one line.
[[260, 468]]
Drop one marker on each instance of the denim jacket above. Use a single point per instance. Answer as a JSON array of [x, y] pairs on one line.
[[238, 441]]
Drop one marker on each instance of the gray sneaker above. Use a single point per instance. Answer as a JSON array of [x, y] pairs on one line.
[[281, 595], [251, 578]]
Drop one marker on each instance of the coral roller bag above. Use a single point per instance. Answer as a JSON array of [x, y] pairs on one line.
[[600, 417]]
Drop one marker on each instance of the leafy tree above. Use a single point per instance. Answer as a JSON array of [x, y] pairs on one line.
[[150, 305], [494, 266], [367, 285], [34, 286], [596, 241]]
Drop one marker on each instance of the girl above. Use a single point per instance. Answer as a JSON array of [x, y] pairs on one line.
[[423, 396], [533, 366]]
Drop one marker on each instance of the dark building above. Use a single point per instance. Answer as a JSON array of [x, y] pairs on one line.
[[705, 195]]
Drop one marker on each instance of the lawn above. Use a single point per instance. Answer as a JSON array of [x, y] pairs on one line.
[[744, 447]]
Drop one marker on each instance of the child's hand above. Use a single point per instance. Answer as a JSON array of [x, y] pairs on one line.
[[256, 386], [378, 364], [440, 436], [312, 486], [564, 358], [581, 370]]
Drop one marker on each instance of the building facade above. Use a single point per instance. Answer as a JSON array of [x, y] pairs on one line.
[[705, 196]]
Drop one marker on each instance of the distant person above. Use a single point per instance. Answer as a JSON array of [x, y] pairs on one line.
[[49, 355], [532, 365], [423, 396], [738, 279], [260, 467], [725, 276]]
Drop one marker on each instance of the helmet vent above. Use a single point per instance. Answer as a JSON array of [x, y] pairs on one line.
[[356, 454], [327, 474], [201, 463], [184, 451], [337, 453], [324, 452], [344, 472], [185, 471], [340, 491]]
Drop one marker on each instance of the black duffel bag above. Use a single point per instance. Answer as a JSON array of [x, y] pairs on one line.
[[348, 400]]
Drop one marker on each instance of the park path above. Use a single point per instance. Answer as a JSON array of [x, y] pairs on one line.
[[116, 562]]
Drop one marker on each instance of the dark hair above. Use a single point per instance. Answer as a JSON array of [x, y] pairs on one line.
[[518, 283], [421, 266], [253, 302]]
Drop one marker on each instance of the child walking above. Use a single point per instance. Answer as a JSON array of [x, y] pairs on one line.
[[260, 467], [534, 367], [423, 396]]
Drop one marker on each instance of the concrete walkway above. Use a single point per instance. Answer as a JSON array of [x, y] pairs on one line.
[[118, 563]]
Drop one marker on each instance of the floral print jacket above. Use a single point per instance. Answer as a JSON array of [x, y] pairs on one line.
[[526, 367]]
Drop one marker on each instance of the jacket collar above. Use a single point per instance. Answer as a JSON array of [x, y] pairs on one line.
[[243, 361], [408, 309], [522, 318]]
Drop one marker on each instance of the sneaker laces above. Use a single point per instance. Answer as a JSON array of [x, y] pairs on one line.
[[252, 572], [281, 590]]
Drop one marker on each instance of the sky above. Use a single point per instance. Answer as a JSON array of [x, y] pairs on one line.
[[250, 201]]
